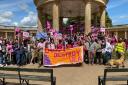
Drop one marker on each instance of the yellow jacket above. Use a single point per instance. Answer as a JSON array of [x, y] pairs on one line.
[[120, 47]]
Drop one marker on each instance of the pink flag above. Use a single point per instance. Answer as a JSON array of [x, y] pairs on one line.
[[102, 29], [48, 25], [25, 34], [17, 29], [71, 27]]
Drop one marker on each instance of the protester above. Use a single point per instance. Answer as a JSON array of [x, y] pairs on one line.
[[98, 58], [92, 50], [1, 56], [120, 47], [69, 44], [51, 45], [86, 48], [34, 52], [107, 51], [97, 47], [41, 47], [9, 51], [60, 45]]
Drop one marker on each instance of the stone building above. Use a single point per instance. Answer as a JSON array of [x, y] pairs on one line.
[[121, 31], [71, 8], [8, 31]]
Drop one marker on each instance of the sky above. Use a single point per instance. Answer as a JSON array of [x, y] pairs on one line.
[[18, 13], [23, 12], [118, 11]]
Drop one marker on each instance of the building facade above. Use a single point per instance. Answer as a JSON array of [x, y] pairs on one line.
[[71, 8], [8, 32], [120, 31]]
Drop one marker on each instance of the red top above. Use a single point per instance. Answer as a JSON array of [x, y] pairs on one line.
[[69, 46], [60, 46]]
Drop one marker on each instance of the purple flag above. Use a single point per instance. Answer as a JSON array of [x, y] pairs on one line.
[[48, 25]]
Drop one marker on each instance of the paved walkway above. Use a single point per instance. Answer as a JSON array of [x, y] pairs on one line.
[[78, 75], [83, 75]]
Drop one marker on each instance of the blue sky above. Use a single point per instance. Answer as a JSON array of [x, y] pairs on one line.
[[118, 11], [23, 12], [18, 13]]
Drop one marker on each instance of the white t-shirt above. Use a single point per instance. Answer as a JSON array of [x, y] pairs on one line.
[[41, 46], [108, 47], [51, 46], [0, 47]]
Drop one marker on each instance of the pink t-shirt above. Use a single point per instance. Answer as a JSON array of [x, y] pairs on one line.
[[9, 48], [1, 41], [113, 40], [41, 46]]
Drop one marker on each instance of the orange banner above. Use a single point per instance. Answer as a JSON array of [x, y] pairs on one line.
[[67, 56]]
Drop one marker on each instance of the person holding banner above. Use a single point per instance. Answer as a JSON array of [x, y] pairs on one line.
[[51, 45], [34, 53], [60, 45], [41, 48], [69, 45]]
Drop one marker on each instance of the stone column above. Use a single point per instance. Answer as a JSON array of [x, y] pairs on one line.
[[87, 17], [103, 16], [56, 15], [126, 35], [116, 34], [39, 28]]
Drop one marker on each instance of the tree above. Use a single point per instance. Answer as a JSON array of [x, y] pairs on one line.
[[108, 20]]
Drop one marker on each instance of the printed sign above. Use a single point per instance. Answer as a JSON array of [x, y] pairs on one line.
[[66, 56], [25, 34]]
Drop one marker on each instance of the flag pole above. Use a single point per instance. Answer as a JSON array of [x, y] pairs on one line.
[[19, 38]]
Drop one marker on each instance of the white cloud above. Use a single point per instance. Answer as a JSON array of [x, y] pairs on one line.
[[124, 17], [6, 14], [5, 17], [29, 20], [120, 19], [15, 23], [4, 20], [117, 3], [24, 7], [12, 4], [8, 8]]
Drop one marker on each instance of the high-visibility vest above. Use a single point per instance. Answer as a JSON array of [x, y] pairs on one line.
[[120, 47]]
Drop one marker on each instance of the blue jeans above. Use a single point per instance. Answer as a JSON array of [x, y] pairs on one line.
[[1, 58], [107, 57], [18, 57]]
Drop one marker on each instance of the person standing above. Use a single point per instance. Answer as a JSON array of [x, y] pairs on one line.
[[92, 50], [34, 53], [120, 48], [86, 48], [107, 51], [41, 48], [51, 44], [98, 52], [1, 55], [9, 51], [60, 45]]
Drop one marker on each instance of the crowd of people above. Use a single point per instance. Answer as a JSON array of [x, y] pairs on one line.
[[97, 49]]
